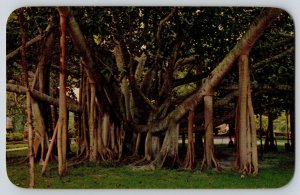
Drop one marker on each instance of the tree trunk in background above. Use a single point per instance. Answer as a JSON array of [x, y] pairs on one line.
[[28, 103], [190, 157], [246, 159], [41, 137], [43, 84], [40, 82], [62, 120], [292, 126], [209, 160], [198, 142], [287, 129], [270, 145]]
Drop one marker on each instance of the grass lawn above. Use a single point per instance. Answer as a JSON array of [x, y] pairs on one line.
[[276, 170], [19, 145]]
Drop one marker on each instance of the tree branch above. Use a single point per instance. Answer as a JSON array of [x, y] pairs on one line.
[[274, 45], [31, 42], [273, 58], [190, 79], [263, 87], [71, 105], [159, 29], [187, 60], [147, 100]]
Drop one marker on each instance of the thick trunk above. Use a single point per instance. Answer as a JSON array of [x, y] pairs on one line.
[[83, 142], [148, 147], [105, 129], [41, 136], [242, 115], [252, 136], [209, 160], [155, 146], [168, 155], [43, 85], [246, 158], [121, 64], [92, 124]]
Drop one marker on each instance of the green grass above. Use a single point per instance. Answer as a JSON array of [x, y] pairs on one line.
[[276, 170], [16, 154], [19, 145]]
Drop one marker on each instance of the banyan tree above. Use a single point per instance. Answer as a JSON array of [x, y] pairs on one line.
[[142, 75]]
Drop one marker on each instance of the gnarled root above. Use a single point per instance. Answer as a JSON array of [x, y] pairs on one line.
[[211, 163], [141, 162]]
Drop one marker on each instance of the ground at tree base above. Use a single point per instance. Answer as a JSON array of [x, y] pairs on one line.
[[275, 170]]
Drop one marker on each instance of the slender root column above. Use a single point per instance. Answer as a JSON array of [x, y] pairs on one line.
[[190, 158], [28, 103], [209, 161], [247, 158], [62, 120]]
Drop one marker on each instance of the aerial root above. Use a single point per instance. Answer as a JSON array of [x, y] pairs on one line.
[[141, 162], [216, 165]]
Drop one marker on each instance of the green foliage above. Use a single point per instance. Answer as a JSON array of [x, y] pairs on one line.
[[280, 123], [264, 122], [15, 108], [72, 130]]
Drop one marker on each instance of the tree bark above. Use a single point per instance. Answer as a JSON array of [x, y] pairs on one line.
[[71, 106], [49, 151], [209, 160], [92, 124], [246, 158], [41, 109], [28, 103], [168, 155], [62, 121], [190, 157]]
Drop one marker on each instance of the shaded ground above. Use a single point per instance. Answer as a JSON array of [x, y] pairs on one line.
[[276, 170]]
